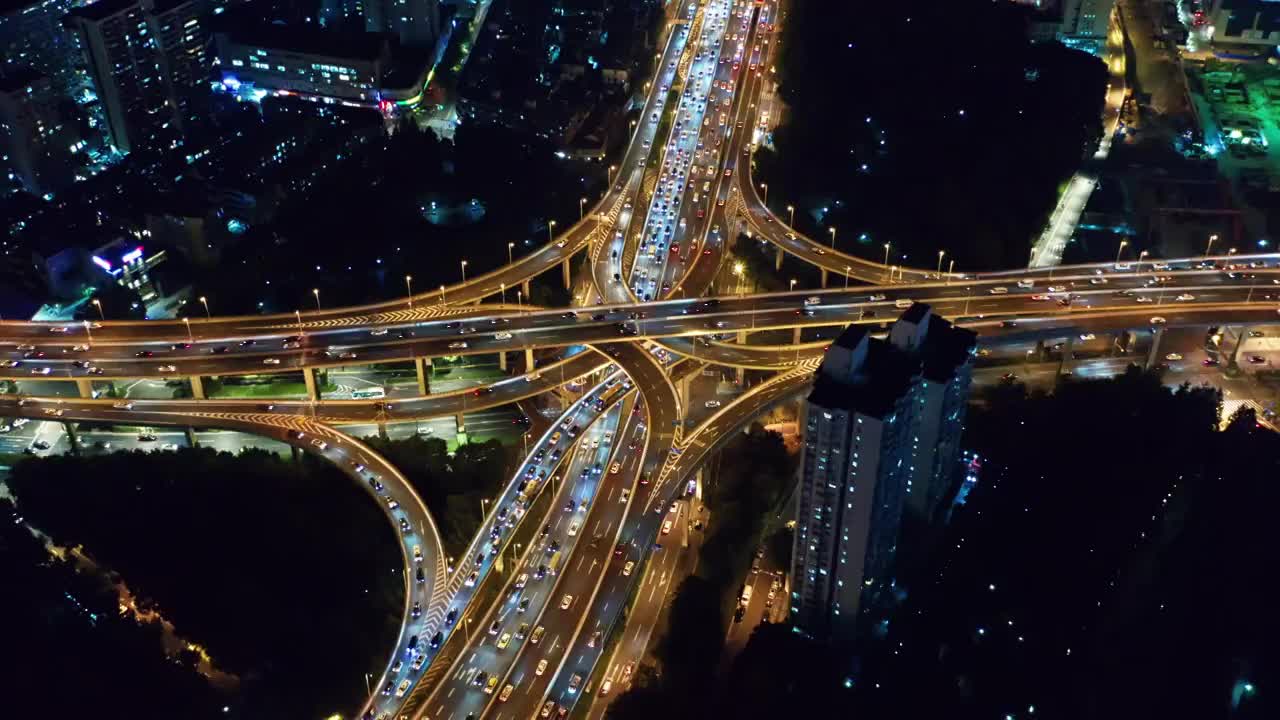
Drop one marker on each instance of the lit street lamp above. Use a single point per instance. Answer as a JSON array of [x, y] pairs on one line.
[[504, 293], [1120, 250], [298, 315], [1141, 256], [88, 332], [791, 210], [582, 203], [950, 267], [738, 269], [442, 300], [464, 272], [793, 284], [611, 169], [1208, 250], [833, 237], [187, 323], [940, 254], [408, 287], [510, 246], [765, 186], [886, 253], [846, 276], [98, 304], [316, 292], [205, 302], [550, 226]]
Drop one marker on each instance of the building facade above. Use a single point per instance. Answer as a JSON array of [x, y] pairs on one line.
[[37, 141], [881, 427], [415, 22]]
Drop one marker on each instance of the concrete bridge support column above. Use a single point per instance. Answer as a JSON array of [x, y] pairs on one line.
[[742, 337], [502, 360], [197, 387], [1064, 363], [524, 286], [682, 386], [460, 423], [424, 375], [795, 335], [741, 375], [1153, 355], [777, 260], [1235, 352], [824, 277], [528, 360], [72, 437], [309, 377], [84, 386], [564, 271], [190, 432]]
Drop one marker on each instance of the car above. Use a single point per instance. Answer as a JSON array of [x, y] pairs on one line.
[[575, 682], [550, 705], [595, 639], [506, 692], [536, 637], [378, 332], [1157, 320], [1027, 283], [420, 576], [491, 684], [122, 405], [626, 569], [522, 580], [1173, 357], [417, 609], [417, 553], [26, 346], [615, 468], [999, 290], [666, 526], [712, 403], [1186, 297], [59, 330], [566, 602], [389, 688], [480, 678], [1209, 362], [1088, 336], [180, 346], [271, 361], [419, 661], [1041, 297], [1143, 299], [41, 371], [504, 641], [458, 345], [167, 369], [542, 667], [573, 528], [502, 336], [40, 444], [1257, 359], [10, 363], [248, 343], [220, 349], [404, 688], [523, 606], [451, 618], [80, 348], [1057, 288]]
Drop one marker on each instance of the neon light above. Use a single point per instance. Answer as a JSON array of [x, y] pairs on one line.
[[132, 255], [105, 265]]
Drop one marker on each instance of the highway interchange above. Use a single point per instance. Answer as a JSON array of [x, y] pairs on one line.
[[626, 465]]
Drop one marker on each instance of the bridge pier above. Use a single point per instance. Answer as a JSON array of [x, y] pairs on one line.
[[197, 387], [190, 432], [460, 423], [84, 386], [682, 387], [741, 373], [309, 377], [528, 360], [742, 337], [777, 260], [528, 295], [1064, 362], [564, 270], [72, 437], [824, 277], [795, 335], [1153, 355], [424, 376], [1235, 352], [502, 360]]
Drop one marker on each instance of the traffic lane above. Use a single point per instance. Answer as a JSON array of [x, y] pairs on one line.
[[566, 530], [605, 516], [579, 581], [446, 339]]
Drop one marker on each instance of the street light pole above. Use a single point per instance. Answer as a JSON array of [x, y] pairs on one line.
[[205, 302], [316, 292], [510, 246], [88, 332], [582, 203], [846, 276], [1209, 249], [791, 214], [187, 323], [504, 293], [833, 237], [1142, 255], [951, 266], [551, 225], [98, 304], [442, 300], [464, 272], [941, 253], [766, 193], [298, 315], [1120, 250], [408, 287]]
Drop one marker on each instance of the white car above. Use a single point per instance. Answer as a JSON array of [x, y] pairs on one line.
[[565, 602], [417, 553], [1173, 357], [1185, 297], [271, 361], [80, 348], [573, 528], [626, 569], [1057, 288], [502, 336], [59, 330], [712, 403], [41, 371], [1088, 336], [542, 667], [167, 368], [122, 405], [1157, 320], [459, 345]]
